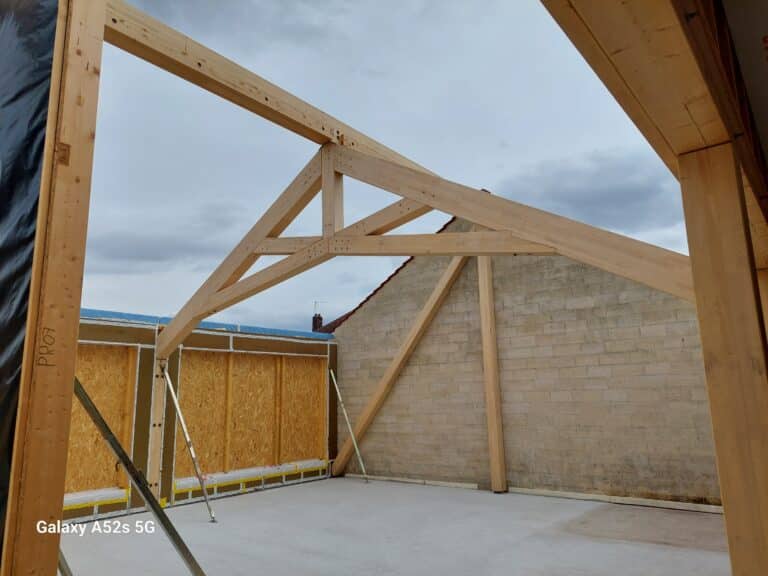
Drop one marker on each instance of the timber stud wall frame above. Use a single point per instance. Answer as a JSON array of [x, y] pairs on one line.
[[735, 354]]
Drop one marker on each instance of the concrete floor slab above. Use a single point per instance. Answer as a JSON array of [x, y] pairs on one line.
[[344, 526]]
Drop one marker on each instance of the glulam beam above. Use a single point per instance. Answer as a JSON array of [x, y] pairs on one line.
[[734, 346]]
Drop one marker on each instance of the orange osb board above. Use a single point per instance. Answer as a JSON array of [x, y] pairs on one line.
[[303, 409], [252, 419], [202, 395], [108, 374]]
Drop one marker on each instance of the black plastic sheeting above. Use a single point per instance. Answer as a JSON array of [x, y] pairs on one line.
[[27, 32]]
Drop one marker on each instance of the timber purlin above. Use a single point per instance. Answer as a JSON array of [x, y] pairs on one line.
[[250, 344], [110, 333], [117, 328], [116, 334], [131, 334], [207, 340]]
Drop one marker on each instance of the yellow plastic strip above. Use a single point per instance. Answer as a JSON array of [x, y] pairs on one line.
[[227, 483], [95, 503]]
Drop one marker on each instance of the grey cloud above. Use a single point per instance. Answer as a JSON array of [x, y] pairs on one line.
[[631, 192], [288, 318], [197, 242], [123, 251], [251, 24], [347, 278]]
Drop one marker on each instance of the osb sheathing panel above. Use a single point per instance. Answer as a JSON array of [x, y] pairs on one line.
[[252, 421], [108, 373], [304, 404], [202, 395], [143, 402]]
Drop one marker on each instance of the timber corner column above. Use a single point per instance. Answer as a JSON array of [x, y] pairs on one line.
[[39, 457], [733, 343]]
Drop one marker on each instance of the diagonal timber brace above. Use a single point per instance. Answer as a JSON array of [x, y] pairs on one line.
[[401, 357], [278, 216], [313, 255], [222, 288]]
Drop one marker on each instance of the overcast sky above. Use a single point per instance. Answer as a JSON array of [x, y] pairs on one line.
[[490, 94]]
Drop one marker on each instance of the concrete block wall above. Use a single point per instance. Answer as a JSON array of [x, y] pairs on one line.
[[602, 382]]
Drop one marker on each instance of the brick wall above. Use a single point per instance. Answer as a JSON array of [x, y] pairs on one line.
[[602, 382]]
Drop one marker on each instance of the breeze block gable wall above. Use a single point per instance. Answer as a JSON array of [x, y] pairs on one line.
[[602, 382]]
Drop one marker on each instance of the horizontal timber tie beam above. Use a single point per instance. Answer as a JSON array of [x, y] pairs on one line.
[[650, 265], [443, 244], [285, 246], [384, 386]]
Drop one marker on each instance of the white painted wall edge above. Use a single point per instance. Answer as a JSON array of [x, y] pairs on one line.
[[627, 500], [465, 485], [247, 474], [94, 497]]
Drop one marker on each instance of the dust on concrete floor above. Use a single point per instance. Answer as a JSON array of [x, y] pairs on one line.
[[344, 526]]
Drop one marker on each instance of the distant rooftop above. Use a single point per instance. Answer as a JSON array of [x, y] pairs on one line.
[[123, 317]]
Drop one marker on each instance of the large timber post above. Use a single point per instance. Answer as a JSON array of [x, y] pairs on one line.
[[36, 487], [734, 345]]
